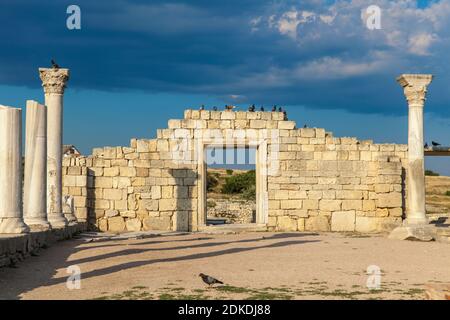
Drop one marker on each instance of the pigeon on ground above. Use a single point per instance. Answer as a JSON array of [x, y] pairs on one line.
[[435, 144], [209, 280], [54, 64]]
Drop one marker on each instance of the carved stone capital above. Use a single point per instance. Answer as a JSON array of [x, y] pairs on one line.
[[54, 80], [415, 87]]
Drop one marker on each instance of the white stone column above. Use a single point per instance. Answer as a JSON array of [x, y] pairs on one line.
[[35, 184], [11, 216], [415, 89], [54, 82]]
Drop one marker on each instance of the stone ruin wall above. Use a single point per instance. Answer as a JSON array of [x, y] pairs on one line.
[[323, 183]]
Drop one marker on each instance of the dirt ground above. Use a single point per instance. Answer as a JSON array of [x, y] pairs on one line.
[[252, 266]]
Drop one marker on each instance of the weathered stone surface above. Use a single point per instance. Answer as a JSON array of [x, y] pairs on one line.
[[343, 221], [133, 224], [317, 223], [157, 223], [286, 224], [116, 224], [414, 233]]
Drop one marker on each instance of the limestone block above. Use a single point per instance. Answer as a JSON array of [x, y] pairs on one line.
[[367, 224], [320, 133], [369, 205], [330, 205], [258, 124], [133, 224], [228, 115], [301, 224], [128, 214], [111, 172], [352, 204], [167, 204], [286, 223], [307, 132], [317, 223], [103, 225], [101, 204], [291, 204], [174, 124], [181, 221], [395, 212], [310, 204], [389, 200], [157, 223], [343, 221], [127, 171], [111, 213], [149, 204], [112, 194], [116, 224], [349, 194], [286, 125]]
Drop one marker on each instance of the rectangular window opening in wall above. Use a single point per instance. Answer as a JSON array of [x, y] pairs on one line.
[[231, 191]]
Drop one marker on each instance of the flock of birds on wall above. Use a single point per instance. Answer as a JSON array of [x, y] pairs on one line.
[[252, 108]]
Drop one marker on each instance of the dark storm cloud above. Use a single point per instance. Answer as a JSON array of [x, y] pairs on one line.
[[314, 53]]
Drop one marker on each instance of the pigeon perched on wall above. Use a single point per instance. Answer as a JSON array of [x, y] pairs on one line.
[[209, 280], [54, 64], [426, 145], [435, 144], [202, 107], [214, 108], [280, 109], [262, 108], [229, 107], [252, 108], [274, 108]]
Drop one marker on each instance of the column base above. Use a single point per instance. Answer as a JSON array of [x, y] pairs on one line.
[[13, 225], [414, 232], [71, 219], [415, 221], [38, 223], [57, 221]]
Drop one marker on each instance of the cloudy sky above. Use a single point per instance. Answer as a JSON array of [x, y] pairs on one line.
[[135, 64]]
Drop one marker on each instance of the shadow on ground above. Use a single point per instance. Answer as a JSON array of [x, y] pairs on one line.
[[40, 271]]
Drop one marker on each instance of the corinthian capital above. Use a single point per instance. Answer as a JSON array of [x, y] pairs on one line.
[[415, 87], [54, 79]]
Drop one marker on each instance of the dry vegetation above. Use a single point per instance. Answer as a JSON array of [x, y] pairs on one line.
[[438, 194]]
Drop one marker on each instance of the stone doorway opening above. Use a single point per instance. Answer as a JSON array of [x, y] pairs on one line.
[[437, 187], [230, 185], [256, 153]]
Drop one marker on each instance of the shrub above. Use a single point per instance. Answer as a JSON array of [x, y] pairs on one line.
[[211, 204], [448, 193], [211, 181], [431, 173], [229, 172], [240, 183]]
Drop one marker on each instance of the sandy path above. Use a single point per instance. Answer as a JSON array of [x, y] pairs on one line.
[[296, 265]]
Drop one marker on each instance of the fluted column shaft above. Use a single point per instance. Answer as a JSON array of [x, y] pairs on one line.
[[35, 184], [11, 214]]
